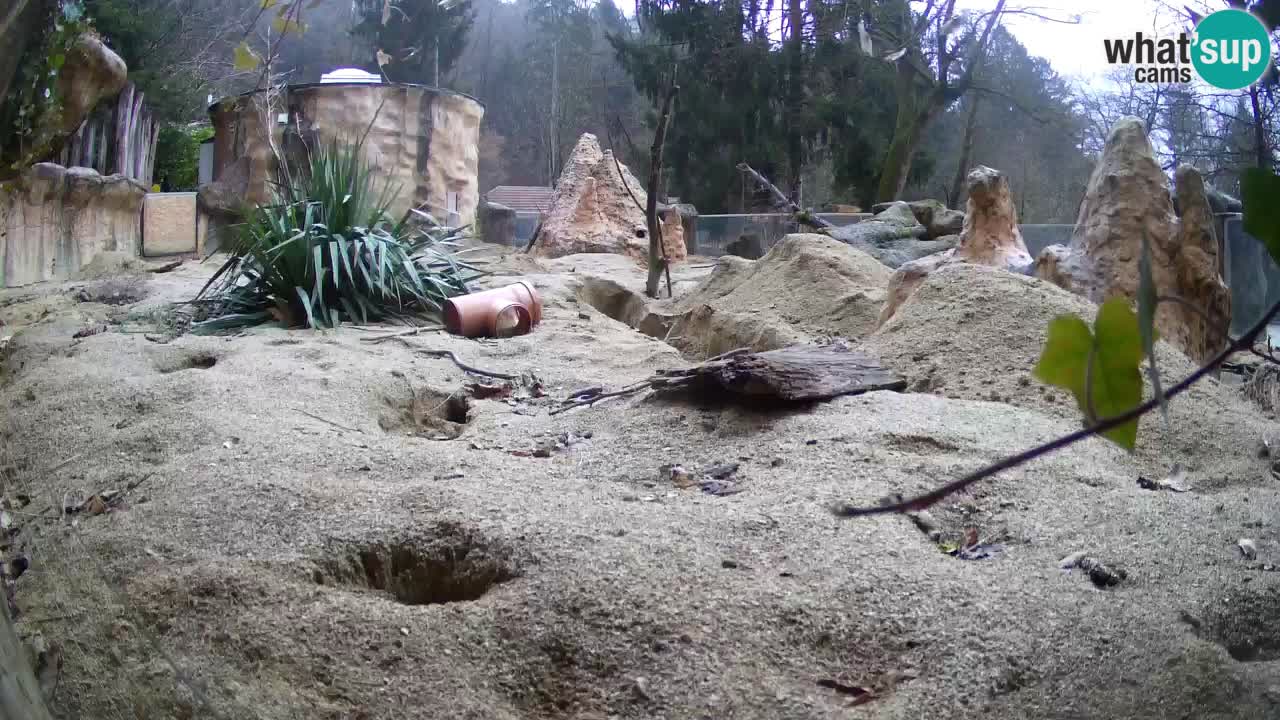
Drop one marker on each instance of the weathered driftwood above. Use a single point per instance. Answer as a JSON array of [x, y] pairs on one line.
[[801, 215], [800, 373]]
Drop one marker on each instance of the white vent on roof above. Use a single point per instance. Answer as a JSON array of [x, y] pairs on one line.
[[350, 75]]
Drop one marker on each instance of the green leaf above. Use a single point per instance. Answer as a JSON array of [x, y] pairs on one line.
[[245, 58], [1261, 198], [1147, 302], [1116, 348]]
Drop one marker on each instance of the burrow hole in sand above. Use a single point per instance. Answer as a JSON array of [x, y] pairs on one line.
[[624, 305], [454, 564], [1246, 626], [426, 412], [191, 361]]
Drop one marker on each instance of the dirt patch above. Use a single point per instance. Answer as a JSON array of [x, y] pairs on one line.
[[646, 600], [426, 412], [975, 333], [114, 291], [186, 361], [805, 287], [624, 305], [451, 564], [1245, 625]]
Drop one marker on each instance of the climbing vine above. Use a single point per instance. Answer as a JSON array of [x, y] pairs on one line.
[[32, 112]]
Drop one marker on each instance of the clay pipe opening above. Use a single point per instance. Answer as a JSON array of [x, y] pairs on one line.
[[486, 315]]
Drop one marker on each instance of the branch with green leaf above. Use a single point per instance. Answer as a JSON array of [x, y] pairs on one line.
[[1102, 366]]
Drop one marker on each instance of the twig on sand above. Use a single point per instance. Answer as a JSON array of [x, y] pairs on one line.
[[467, 368], [313, 416], [400, 334], [167, 267], [595, 395]]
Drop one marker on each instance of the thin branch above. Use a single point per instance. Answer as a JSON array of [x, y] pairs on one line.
[[465, 367], [920, 502]]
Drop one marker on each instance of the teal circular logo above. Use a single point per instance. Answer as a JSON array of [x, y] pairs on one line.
[[1231, 49]]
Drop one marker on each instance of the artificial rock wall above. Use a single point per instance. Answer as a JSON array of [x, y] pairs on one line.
[[425, 141], [55, 220]]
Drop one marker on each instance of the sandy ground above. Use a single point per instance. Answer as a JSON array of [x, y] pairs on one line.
[[295, 542]]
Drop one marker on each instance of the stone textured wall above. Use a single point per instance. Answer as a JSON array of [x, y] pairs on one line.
[[56, 219], [169, 224], [424, 141], [242, 157]]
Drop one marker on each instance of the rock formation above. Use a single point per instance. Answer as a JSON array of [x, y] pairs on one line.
[[901, 232], [989, 236], [894, 222], [1128, 197], [593, 212], [90, 73], [58, 219]]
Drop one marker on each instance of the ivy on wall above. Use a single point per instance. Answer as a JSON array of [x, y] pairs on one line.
[[31, 114]]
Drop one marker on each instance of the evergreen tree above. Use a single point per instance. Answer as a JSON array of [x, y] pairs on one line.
[[418, 41]]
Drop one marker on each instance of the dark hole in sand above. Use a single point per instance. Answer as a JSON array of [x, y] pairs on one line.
[[427, 413], [453, 565], [197, 361], [1245, 625]]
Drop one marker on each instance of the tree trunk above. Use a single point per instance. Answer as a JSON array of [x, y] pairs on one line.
[[907, 130], [1262, 153], [966, 149], [657, 250], [795, 96]]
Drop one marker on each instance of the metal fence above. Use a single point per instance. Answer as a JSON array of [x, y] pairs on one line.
[[1251, 274]]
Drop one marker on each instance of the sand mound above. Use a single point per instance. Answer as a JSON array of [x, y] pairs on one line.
[[807, 286], [974, 332]]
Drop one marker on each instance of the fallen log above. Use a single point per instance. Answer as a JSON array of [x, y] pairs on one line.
[[796, 374]]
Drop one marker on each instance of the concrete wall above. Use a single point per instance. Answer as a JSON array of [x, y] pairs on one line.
[[56, 220]]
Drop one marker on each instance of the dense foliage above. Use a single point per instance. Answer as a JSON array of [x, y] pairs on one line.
[[32, 110], [421, 40], [327, 251], [178, 157]]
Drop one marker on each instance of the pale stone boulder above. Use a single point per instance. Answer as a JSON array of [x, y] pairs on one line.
[[989, 236], [1128, 197], [90, 73], [597, 208]]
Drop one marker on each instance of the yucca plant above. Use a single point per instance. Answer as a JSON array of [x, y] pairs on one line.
[[326, 250]]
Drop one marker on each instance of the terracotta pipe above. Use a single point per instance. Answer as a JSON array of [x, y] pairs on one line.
[[486, 314], [512, 309]]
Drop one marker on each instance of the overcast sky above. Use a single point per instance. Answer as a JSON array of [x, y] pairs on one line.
[[1076, 50]]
